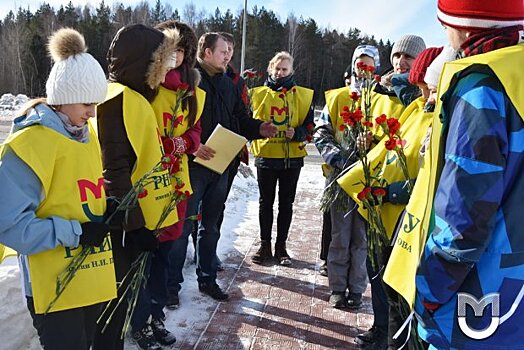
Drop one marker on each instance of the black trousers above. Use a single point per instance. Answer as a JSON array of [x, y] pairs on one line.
[[67, 329], [287, 180], [326, 235], [123, 257]]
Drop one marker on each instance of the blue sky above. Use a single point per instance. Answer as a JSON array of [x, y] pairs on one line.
[[387, 19]]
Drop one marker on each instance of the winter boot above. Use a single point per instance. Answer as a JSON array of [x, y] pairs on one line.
[[145, 339], [162, 335], [338, 300], [172, 301], [354, 301], [263, 253], [281, 254], [212, 289]]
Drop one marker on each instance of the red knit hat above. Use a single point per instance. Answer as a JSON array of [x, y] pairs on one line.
[[421, 64], [480, 14]]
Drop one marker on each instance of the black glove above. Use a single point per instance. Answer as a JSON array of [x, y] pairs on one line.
[[115, 217], [398, 192], [93, 233], [142, 239]]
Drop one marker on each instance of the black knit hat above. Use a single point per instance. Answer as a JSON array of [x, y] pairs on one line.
[[188, 39]]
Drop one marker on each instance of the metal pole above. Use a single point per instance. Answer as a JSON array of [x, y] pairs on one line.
[[243, 53]]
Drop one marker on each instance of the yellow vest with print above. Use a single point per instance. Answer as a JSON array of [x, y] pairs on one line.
[[269, 106], [144, 136], [163, 105], [71, 177], [414, 125], [402, 266]]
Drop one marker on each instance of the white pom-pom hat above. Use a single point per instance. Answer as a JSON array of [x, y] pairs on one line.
[[76, 77]]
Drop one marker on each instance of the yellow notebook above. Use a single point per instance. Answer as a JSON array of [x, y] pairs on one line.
[[226, 144]]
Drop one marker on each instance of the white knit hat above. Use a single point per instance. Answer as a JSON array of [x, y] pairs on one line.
[[448, 54], [76, 77]]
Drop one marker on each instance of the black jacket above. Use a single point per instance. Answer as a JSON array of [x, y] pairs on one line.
[[224, 106]]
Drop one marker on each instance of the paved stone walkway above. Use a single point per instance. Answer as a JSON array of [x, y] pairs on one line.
[[276, 307]]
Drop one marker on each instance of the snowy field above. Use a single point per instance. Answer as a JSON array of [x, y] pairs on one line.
[[239, 232]]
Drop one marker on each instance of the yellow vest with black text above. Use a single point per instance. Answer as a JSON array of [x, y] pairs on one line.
[[268, 105], [144, 136], [73, 186], [402, 266], [414, 125], [163, 105]]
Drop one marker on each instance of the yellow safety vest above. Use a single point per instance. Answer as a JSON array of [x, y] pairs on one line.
[[268, 106], [144, 136], [403, 263], [163, 105], [414, 125], [71, 177]]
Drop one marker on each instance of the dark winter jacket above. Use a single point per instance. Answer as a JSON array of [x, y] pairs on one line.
[[137, 58], [224, 106]]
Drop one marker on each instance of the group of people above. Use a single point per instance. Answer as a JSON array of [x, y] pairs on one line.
[[449, 219], [74, 158], [94, 166]]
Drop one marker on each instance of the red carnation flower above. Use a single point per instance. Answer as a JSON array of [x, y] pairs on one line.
[[393, 125], [364, 193], [379, 192], [390, 144], [381, 120], [183, 86]]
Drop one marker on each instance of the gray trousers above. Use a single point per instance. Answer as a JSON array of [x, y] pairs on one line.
[[348, 251]]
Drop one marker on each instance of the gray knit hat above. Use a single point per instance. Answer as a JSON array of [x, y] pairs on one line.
[[76, 77], [408, 44]]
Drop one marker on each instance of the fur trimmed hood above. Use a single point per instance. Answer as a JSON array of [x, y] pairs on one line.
[[139, 57]]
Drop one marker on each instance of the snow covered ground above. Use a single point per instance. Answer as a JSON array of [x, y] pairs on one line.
[[239, 232]]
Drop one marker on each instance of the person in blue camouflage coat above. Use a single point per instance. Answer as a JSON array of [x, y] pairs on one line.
[[475, 247]]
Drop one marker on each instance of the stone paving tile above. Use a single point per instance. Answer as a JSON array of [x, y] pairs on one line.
[[276, 307]]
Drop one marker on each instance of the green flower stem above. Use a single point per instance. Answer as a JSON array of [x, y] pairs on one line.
[[130, 200]]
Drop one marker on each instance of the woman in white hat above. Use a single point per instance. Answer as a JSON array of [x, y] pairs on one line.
[[53, 200]]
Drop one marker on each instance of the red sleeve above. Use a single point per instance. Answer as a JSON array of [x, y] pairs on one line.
[[192, 137]]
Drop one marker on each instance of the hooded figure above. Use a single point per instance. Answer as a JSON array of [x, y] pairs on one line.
[[139, 58]]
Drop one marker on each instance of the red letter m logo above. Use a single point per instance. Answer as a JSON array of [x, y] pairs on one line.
[[96, 189], [279, 111]]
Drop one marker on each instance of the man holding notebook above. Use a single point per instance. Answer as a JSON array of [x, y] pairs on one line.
[[223, 106]]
